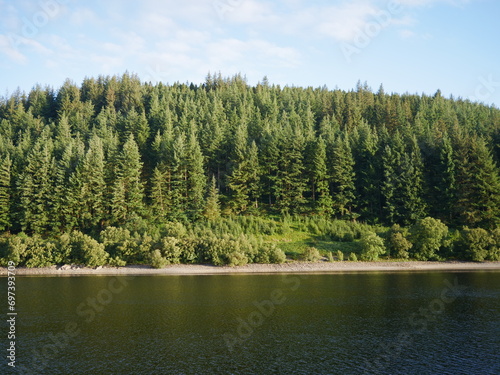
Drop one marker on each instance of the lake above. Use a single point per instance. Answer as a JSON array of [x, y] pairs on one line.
[[352, 323]]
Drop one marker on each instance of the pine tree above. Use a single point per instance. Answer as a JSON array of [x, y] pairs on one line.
[[290, 182], [212, 206], [322, 199], [128, 190], [343, 177], [478, 185], [5, 193], [196, 181], [368, 173], [160, 203], [90, 179], [36, 188]]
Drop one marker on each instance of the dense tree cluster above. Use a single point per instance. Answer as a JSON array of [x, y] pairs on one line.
[[117, 152]]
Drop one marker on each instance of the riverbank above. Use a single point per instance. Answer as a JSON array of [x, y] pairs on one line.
[[290, 267]]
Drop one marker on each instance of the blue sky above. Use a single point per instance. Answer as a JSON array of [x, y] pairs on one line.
[[410, 46]]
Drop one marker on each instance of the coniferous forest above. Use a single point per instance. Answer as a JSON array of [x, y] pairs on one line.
[[116, 171]]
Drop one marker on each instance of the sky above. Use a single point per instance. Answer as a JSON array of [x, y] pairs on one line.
[[408, 46]]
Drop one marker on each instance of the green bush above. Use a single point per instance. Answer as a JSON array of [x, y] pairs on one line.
[[86, 251], [330, 257], [372, 246], [157, 260], [311, 254], [353, 257], [428, 236], [340, 256], [397, 243], [171, 250], [475, 243]]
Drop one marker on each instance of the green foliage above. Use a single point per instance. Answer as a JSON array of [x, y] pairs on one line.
[[475, 243], [353, 257], [115, 152], [340, 256], [85, 250], [311, 254], [372, 246], [428, 236], [397, 242]]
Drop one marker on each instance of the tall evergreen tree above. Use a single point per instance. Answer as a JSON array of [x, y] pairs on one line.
[[36, 188], [323, 203], [128, 190], [343, 177], [5, 193], [212, 206]]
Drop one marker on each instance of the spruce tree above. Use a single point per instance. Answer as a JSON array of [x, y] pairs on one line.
[[323, 203], [342, 177], [5, 193], [128, 190], [212, 205]]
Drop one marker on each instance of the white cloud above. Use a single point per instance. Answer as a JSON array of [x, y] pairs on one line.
[[10, 51]]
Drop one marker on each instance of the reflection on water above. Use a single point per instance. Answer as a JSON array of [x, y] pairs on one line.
[[380, 323]]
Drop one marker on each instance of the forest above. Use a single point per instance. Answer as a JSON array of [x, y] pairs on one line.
[[116, 171]]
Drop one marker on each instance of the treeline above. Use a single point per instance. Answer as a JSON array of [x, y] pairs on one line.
[[240, 240], [115, 152]]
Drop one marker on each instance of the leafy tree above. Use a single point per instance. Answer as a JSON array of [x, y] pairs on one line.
[[372, 246], [397, 243], [428, 236]]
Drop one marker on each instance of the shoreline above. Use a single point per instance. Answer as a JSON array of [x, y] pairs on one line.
[[290, 267]]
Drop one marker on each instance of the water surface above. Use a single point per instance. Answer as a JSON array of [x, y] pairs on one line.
[[373, 323]]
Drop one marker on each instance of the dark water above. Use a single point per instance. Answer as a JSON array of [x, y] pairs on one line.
[[373, 323]]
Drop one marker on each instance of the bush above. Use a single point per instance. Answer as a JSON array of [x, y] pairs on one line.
[[311, 254], [353, 257], [170, 250], [85, 250], [372, 246], [157, 260], [330, 257], [397, 244], [428, 235], [237, 258], [340, 256], [276, 255], [475, 243]]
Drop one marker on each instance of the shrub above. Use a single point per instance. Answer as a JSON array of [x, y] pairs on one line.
[[353, 257], [276, 255], [428, 235], [330, 256], [372, 246], [237, 258], [85, 250], [311, 254], [397, 244], [170, 250], [157, 260], [340, 255], [475, 243]]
